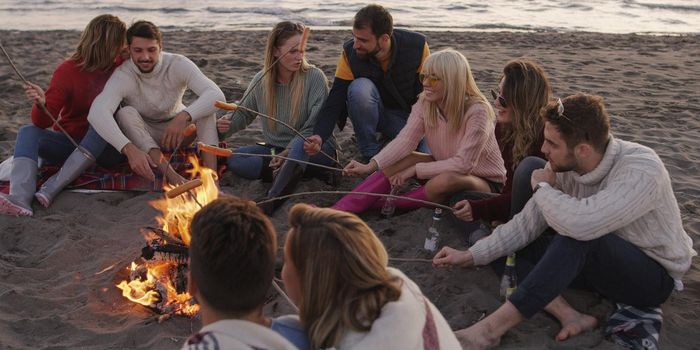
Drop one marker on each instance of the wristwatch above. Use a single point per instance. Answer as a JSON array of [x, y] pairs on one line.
[[540, 185]]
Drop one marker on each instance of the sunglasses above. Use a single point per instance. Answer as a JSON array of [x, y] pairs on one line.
[[432, 79], [497, 97]]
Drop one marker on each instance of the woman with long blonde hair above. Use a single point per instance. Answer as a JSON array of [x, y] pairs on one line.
[[292, 91], [458, 125], [74, 85], [335, 270]]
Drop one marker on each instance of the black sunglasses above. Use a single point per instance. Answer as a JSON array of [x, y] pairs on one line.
[[501, 100]]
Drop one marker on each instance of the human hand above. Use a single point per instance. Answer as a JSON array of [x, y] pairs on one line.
[[173, 135], [447, 257], [140, 162], [463, 210], [223, 124], [402, 176], [312, 145], [355, 168], [543, 175], [35, 93], [275, 162]]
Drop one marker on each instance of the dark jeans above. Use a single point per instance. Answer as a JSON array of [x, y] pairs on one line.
[[608, 265]]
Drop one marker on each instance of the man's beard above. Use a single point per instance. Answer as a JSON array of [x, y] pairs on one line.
[[368, 54]]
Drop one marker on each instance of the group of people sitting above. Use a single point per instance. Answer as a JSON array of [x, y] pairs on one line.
[[599, 213]]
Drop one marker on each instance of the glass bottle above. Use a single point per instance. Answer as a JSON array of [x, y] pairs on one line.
[[509, 281], [432, 239], [390, 204]]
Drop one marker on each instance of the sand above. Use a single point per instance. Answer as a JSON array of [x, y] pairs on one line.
[[51, 295]]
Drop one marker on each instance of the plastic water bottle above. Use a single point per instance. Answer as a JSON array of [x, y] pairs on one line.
[[390, 204], [432, 239], [509, 281]]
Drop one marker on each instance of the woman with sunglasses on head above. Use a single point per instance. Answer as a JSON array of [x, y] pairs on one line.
[[524, 91], [335, 270], [74, 85], [293, 92], [458, 125]]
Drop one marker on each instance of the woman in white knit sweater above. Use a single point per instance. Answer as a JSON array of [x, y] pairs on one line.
[[335, 270]]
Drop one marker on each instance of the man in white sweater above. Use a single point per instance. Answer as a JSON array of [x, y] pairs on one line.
[[617, 222], [149, 87]]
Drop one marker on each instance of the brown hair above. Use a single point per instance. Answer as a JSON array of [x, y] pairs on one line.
[[583, 119], [278, 37], [232, 254], [100, 43], [144, 29], [343, 273], [376, 18], [527, 91]]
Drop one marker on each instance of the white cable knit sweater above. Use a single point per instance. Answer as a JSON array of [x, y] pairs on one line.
[[157, 95], [629, 194]]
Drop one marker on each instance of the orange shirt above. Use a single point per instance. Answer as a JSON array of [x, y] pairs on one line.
[[344, 72]]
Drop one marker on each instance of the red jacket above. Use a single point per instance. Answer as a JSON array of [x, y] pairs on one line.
[[69, 96]]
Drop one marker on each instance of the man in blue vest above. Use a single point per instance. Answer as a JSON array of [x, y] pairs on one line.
[[376, 82]]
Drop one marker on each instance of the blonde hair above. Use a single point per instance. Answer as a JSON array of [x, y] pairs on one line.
[[100, 43], [460, 90], [526, 90], [343, 273], [277, 37]]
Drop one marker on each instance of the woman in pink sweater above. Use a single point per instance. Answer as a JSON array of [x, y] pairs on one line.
[[458, 125]]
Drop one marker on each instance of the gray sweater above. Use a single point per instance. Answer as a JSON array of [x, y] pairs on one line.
[[629, 194]]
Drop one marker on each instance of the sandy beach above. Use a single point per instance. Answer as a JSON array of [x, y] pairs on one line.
[[55, 292]]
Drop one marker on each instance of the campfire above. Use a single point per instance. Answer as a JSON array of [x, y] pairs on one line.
[[158, 279]]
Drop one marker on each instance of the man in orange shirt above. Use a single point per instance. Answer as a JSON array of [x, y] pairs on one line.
[[376, 82]]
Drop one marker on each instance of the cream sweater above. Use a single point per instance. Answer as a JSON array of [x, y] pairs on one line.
[[236, 335], [157, 95], [629, 194]]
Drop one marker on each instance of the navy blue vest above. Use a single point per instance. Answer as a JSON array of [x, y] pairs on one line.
[[400, 87]]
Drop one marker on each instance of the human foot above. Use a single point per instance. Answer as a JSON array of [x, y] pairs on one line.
[[475, 338], [576, 324]]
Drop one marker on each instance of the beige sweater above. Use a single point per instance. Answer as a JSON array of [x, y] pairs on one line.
[[157, 95], [629, 194]]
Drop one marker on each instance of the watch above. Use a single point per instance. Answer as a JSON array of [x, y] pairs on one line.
[[540, 185]]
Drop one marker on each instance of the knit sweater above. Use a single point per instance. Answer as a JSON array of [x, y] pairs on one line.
[[236, 335], [629, 194], [402, 323], [157, 95], [315, 92], [498, 207], [472, 150], [69, 96]]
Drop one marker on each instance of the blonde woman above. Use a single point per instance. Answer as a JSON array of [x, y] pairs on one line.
[[74, 85], [458, 125], [292, 91], [335, 270]]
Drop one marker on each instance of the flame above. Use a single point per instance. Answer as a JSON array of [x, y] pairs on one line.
[[178, 211], [157, 289]]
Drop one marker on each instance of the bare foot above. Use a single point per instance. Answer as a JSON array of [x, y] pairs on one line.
[[576, 324], [475, 338]]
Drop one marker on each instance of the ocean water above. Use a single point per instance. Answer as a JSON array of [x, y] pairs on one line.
[[606, 16]]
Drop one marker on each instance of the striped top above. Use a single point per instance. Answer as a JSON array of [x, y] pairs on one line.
[[472, 150], [315, 93], [629, 194]]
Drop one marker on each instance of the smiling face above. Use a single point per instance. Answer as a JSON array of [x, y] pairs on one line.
[[433, 87], [145, 53], [291, 62], [560, 157], [503, 114], [365, 43]]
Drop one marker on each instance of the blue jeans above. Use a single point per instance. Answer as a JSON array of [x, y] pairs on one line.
[[250, 167], [608, 265], [368, 116], [54, 147]]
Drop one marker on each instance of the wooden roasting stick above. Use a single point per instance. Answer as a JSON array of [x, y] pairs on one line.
[[427, 203], [224, 152]]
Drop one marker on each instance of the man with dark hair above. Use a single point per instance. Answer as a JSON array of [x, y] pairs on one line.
[[149, 87], [617, 222], [376, 82], [232, 264]]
